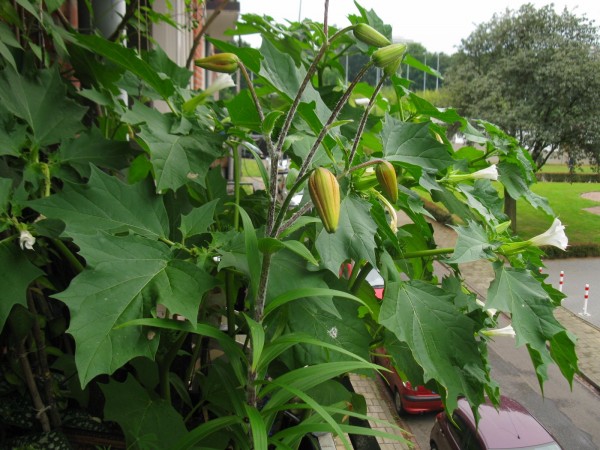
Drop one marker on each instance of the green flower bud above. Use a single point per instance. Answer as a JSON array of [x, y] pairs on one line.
[[369, 35], [221, 62], [389, 58], [325, 194], [386, 175]]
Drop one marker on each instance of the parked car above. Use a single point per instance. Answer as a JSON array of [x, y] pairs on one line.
[[509, 427], [407, 398]]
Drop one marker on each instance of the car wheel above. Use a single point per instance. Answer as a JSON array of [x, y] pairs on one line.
[[398, 402]]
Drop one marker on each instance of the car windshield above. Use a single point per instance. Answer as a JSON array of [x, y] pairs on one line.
[[374, 279], [550, 446]]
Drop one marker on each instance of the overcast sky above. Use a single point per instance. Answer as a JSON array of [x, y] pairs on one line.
[[437, 24]]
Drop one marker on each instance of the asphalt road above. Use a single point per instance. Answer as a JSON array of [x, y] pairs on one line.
[[571, 416], [577, 273]]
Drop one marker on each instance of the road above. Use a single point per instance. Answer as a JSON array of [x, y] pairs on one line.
[[571, 416], [577, 273]]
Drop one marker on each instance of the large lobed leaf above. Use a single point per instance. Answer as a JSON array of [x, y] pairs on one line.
[[439, 335], [518, 293], [128, 276], [106, 204], [15, 277], [43, 104]]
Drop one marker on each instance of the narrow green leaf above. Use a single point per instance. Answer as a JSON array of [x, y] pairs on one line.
[[269, 245], [258, 340], [258, 427], [270, 121], [252, 253], [7, 55], [256, 154], [320, 410], [300, 249], [205, 430], [305, 378], [296, 294]]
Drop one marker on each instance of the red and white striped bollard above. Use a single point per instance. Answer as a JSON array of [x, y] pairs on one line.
[[586, 296], [561, 281]]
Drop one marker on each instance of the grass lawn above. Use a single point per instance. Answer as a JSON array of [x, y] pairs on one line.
[[564, 168], [567, 203]]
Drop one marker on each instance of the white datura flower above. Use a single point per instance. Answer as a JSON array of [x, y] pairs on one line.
[[491, 312], [223, 81], [361, 101], [506, 331], [26, 240], [489, 173], [555, 235]]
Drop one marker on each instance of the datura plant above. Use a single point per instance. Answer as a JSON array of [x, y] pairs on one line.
[[144, 290]]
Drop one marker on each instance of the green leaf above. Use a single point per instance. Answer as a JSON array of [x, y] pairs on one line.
[[517, 292], [11, 141], [513, 180], [252, 253], [180, 159], [307, 292], [6, 53], [106, 204], [270, 121], [484, 198], [258, 427], [258, 340], [198, 220], [413, 143], [147, 421], [129, 60], [472, 244], [129, 276], [354, 239], [424, 316], [5, 194], [272, 245], [15, 277], [92, 148], [43, 104], [243, 111], [204, 430]]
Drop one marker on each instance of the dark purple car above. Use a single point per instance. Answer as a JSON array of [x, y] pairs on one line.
[[509, 427]]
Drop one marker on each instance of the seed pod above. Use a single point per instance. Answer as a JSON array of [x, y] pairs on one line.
[[370, 35], [325, 194], [221, 62], [389, 58], [386, 175]]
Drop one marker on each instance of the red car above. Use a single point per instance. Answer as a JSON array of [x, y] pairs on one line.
[[407, 399], [509, 427]]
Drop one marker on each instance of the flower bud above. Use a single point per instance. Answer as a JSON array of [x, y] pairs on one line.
[[386, 175], [369, 35], [389, 58], [325, 194], [221, 62]]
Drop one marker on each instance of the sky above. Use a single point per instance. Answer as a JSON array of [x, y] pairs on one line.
[[439, 25]]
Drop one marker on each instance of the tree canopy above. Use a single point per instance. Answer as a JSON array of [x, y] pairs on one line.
[[535, 73]]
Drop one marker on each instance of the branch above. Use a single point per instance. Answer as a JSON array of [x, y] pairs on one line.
[[128, 15]]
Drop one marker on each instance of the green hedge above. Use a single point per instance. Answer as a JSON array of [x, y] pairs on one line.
[[566, 177]]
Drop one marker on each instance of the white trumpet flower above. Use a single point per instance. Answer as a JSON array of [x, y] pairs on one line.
[[361, 101], [506, 331], [555, 235], [489, 173]]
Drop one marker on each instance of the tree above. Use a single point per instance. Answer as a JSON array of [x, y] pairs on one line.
[[536, 74], [138, 286]]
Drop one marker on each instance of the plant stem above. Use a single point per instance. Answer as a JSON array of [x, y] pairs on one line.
[[64, 250], [288, 223], [164, 366], [363, 120], [46, 375], [338, 107], [286, 203], [38, 404], [425, 253]]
